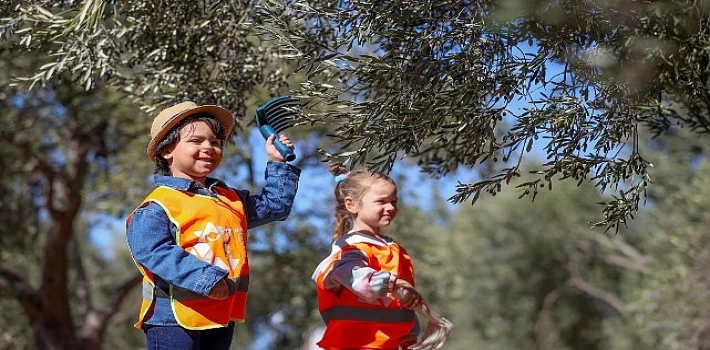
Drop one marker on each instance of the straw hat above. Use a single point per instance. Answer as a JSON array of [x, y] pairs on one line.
[[170, 116]]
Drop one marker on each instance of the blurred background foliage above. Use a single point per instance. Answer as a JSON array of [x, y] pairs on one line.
[[510, 273]]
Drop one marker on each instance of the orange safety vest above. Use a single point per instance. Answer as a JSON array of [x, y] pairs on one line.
[[352, 322], [215, 231]]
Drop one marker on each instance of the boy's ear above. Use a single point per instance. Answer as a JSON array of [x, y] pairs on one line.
[[167, 154], [350, 205]]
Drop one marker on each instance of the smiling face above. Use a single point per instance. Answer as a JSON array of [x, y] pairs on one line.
[[376, 208], [197, 153]]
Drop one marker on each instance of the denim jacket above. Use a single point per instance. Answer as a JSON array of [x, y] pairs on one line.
[[151, 235]]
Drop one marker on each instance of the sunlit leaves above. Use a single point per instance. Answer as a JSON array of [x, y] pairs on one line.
[[154, 51], [476, 83]]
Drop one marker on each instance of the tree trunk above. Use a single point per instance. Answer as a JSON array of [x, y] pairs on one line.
[[48, 307], [49, 338]]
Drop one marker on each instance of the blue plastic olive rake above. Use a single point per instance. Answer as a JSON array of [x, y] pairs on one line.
[[276, 115]]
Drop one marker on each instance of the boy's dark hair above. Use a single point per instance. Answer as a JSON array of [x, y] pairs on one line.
[[173, 136]]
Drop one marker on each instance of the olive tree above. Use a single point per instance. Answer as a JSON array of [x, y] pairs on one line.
[[477, 83]]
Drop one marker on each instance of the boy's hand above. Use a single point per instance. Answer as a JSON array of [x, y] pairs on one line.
[[220, 290], [272, 154], [406, 294]]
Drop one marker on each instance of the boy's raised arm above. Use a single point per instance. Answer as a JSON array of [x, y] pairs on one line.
[[276, 198]]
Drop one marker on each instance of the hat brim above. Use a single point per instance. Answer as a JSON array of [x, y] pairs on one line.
[[223, 116]]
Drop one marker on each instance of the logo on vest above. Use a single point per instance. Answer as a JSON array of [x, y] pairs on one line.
[[209, 239]]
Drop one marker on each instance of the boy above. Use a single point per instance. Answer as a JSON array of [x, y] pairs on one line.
[[189, 236]]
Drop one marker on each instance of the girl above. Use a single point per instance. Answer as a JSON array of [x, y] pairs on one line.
[[366, 286]]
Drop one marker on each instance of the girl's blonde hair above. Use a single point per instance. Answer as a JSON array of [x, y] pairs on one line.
[[354, 185]]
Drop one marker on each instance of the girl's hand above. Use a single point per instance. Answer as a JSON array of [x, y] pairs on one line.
[[405, 345], [219, 291], [406, 294], [272, 154]]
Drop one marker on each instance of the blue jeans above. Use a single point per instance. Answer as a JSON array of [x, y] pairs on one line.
[[178, 338]]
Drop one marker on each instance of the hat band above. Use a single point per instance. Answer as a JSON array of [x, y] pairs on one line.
[[175, 116]]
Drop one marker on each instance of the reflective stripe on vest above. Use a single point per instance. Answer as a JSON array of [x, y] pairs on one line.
[[235, 285], [213, 229], [354, 313]]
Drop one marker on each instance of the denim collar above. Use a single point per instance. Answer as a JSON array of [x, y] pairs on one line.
[[182, 184]]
